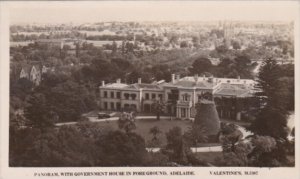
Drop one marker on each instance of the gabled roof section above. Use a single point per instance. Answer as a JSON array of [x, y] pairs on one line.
[[237, 90], [144, 86], [190, 82]]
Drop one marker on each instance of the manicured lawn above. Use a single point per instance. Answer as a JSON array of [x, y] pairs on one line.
[[144, 125]]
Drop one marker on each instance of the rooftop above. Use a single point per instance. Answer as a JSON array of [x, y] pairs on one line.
[[190, 82], [116, 85], [144, 86], [210, 82], [238, 90], [220, 86]]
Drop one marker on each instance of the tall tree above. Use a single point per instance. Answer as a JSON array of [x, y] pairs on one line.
[[176, 146], [158, 107], [38, 112], [127, 122], [272, 116], [200, 66]]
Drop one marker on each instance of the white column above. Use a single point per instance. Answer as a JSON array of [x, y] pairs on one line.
[[188, 112], [194, 97], [238, 116]]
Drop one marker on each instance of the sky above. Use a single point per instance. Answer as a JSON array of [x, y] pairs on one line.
[[84, 12]]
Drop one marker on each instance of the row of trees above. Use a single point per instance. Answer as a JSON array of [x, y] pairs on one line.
[[238, 66]]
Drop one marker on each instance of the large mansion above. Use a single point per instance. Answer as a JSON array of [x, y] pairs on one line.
[[180, 95]]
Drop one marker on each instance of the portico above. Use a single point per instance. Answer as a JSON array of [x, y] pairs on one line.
[[183, 109]]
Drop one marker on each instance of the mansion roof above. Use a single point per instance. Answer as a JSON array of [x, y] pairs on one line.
[[145, 86], [190, 82], [233, 90], [219, 86], [116, 85]]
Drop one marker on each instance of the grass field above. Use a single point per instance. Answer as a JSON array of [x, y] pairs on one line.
[[144, 125]]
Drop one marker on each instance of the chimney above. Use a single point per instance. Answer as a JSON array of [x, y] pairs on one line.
[[118, 80], [211, 79], [196, 78], [139, 80], [177, 77], [173, 78], [103, 83]]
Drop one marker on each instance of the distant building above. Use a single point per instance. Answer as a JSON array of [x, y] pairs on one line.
[[181, 95], [33, 73]]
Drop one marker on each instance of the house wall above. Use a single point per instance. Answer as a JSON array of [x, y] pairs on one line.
[[131, 102], [148, 97], [143, 100]]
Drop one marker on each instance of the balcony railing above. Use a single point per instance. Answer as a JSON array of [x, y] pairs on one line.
[[184, 103]]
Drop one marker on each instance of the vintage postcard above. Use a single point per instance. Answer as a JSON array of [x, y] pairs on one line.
[[144, 89]]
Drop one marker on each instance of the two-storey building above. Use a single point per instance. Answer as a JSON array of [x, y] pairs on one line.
[[180, 95]]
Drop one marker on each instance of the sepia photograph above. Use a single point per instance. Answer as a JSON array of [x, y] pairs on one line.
[[160, 84]]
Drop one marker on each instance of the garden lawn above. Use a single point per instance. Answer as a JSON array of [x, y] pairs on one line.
[[143, 127]]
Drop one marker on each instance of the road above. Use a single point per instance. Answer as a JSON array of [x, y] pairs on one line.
[[95, 119]]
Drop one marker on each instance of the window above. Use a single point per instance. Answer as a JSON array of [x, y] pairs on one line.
[[200, 97], [118, 106], [105, 94], [133, 107], [112, 105], [153, 96], [126, 107], [112, 94], [126, 95], [147, 107], [160, 96], [183, 112], [105, 105], [118, 95], [169, 96], [185, 97], [147, 95], [133, 96]]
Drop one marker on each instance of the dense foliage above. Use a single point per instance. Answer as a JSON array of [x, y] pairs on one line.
[[275, 91], [69, 89]]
